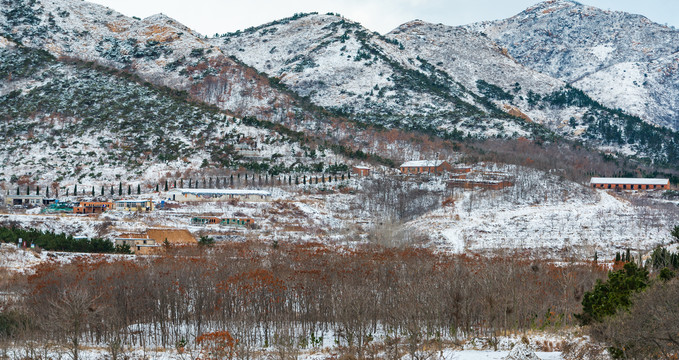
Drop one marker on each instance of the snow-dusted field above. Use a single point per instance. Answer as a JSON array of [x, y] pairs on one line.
[[542, 213], [549, 215]]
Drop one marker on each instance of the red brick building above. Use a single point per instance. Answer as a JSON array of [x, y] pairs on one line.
[[360, 170], [629, 183], [425, 167]]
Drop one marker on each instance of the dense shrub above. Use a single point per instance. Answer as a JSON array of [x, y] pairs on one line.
[[58, 242]]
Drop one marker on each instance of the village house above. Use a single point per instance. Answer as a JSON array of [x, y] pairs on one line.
[[153, 240], [202, 195], [361, 170], [425, 167], [27, 200], [138, 243], [629, 183], [133, 205], [92, 207], [211, 220]]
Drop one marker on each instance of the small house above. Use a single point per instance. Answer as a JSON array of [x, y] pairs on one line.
[[237, 222], [361, 170], [629, 183], [205, 220], [425, 167], [139, 244], [133, 205], [24, 200], [92, 207], [152, 241]]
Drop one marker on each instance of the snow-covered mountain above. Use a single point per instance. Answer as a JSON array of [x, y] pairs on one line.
[[70, 120], [453, 81], [622, 60], [345, 67], [157, 48], [311, 72]]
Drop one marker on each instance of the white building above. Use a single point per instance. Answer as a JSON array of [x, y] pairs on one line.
[[190, 195]]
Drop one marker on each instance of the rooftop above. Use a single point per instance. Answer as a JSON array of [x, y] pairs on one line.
[[629, 181], [422, 163]]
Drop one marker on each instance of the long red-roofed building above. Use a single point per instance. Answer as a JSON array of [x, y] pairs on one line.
[[629, 183]]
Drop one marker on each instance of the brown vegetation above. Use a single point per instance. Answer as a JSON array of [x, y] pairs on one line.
[[262, 294]]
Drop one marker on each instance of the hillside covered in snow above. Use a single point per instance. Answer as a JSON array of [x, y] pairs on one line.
[[314, 72], [622, 60]]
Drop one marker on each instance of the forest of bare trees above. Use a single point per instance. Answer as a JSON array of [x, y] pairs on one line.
[[266, 295]]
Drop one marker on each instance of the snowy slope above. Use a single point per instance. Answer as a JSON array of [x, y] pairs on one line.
[[343, 66], [449, 80], [312, 71], [157, 48], [590, 48], [549, 215], [75, 123]]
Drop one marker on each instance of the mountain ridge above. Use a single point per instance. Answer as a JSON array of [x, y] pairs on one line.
[[311, 72]]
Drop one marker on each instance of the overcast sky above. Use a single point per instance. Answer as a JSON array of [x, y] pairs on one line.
[[218, 16]]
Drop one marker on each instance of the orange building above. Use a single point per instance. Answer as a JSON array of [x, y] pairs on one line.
[[361, 170], [425, 167], [92, 207], [153, 240], [629, 183]]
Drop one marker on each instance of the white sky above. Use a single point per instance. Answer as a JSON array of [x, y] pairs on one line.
[[214, 16]]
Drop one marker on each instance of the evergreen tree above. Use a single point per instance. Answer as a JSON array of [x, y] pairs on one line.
[[67, 191], [102, 190], [675, 233], [617, 257], [231, 180], [304, 180], [596, 257], [157, 187], [112, 192], [18, 190], [75, 190], [120, 188], [627, 256], [175, 184], [608, 297], [47, 191], [181, 183], [166, 186], [37, 190], [129, 189], [190, 181], [28, 189], [138, 189], [92, 191]]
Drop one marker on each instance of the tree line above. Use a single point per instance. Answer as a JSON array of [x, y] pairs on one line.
[[300, 292], [48, 240]]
